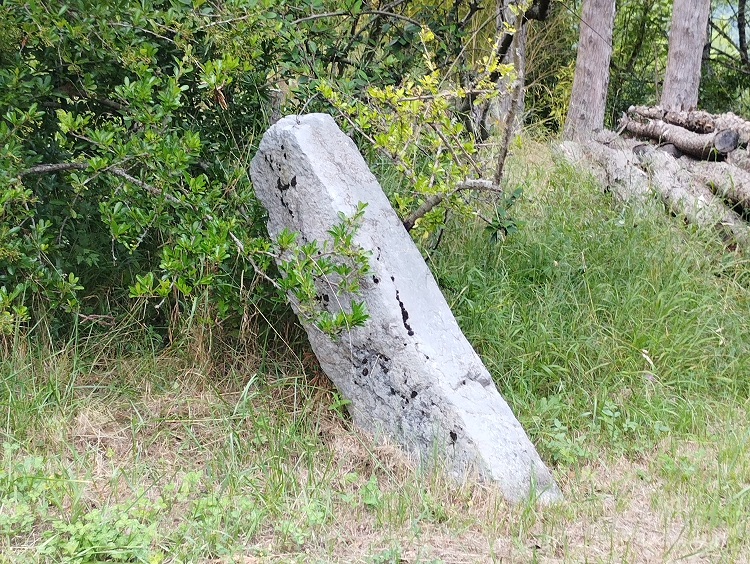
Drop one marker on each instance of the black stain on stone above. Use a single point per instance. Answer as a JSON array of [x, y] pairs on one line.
[[454, 437], [368, 360], [376, 280], [323, 300], [281, 186], [293, 181], [413, 394], [385, 364], [404, 314]]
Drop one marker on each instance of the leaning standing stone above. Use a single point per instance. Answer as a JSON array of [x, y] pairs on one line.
[[409, 372]]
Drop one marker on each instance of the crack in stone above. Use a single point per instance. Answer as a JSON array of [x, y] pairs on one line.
[[404, 314]]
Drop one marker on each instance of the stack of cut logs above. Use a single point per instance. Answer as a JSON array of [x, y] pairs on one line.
[[697, 163], [697, 134]]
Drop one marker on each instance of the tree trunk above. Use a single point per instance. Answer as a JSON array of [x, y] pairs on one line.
[[739, 158], [591, 79], [511, 98], [725, 180], [686, 40], [691, 190], [706, 68], [741, 32], [688, 197]]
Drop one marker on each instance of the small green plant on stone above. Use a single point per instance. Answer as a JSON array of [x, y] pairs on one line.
[[325, 278]]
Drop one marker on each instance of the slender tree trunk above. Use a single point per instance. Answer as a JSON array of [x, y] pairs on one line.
[[589, 97], [742, 31], [706, 69], [511, 98], [492, 116], [686, 40]]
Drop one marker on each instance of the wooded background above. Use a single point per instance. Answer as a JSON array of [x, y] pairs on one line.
[[127, 127]]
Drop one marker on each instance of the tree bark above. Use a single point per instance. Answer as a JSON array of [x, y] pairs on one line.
[[703, 193], [612, 162], [741, 32], [739, 158], [686, 40], [589, 96], [687, 197], [724, 180]]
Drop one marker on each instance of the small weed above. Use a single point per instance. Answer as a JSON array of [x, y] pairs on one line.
[[372, 496], [100, 535], [388, 556]]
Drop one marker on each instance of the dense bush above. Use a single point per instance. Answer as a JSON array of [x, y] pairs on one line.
[[126, 129], [123, 155]]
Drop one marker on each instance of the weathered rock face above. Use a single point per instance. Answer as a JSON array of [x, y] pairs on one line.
[[409, 373]]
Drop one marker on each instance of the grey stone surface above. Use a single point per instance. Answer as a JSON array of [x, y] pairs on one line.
[[409, 373]]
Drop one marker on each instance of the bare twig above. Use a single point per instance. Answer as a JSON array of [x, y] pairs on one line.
[[105, 320], [52, 168], [117, 171], [261, 273], [320, 17], [231, 20], [431, 202], [450, 148], [143, 29], [445, 94], [423, 210], [364, 13]]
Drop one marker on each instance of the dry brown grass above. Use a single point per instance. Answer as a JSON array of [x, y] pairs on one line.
[[289, 452]]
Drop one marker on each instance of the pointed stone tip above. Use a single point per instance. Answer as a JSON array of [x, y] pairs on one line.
[[302, 119], [550, 496]]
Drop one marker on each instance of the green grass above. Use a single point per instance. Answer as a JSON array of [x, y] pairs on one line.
[[619, 338], [601, 323]]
